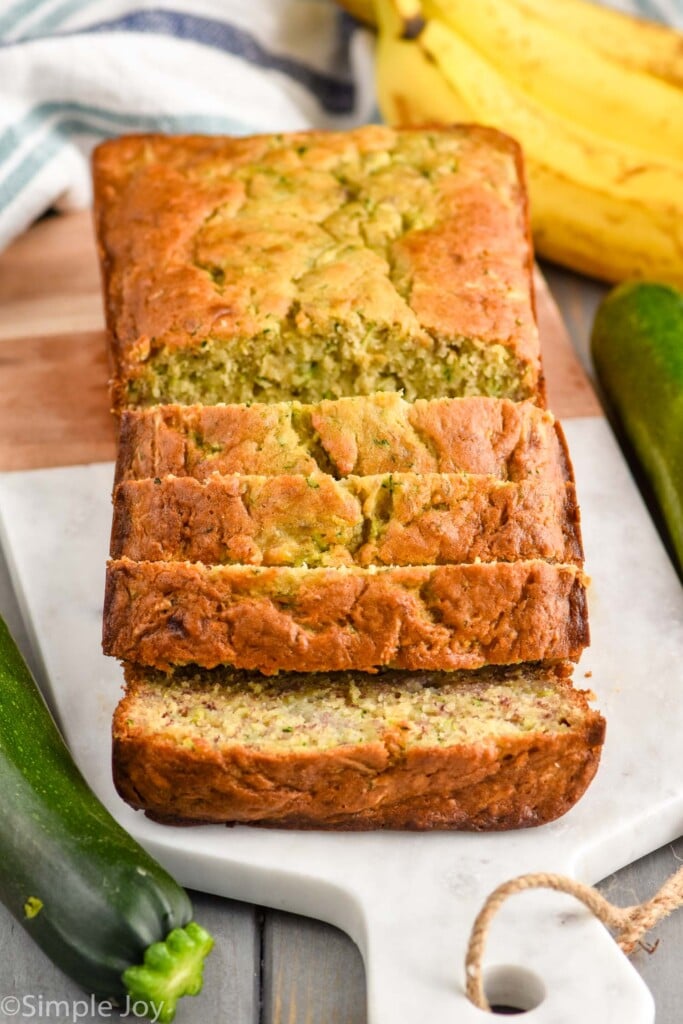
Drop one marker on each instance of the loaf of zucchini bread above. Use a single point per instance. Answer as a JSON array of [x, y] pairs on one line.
[[495, 749], [346, 575], [316, 265]]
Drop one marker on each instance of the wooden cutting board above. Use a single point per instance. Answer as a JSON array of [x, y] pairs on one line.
[[54, 404]]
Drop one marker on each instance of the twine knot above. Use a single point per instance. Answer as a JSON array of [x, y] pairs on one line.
[[628, 923]]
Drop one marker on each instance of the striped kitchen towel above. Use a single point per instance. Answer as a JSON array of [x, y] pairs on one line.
[[73, 72]]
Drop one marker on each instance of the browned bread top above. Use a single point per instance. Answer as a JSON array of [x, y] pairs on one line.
[[283, 266], [380, 433], [315, 520], [495, 749], [290, 619]]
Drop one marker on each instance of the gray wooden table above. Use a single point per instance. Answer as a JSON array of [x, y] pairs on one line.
[[274, 968]]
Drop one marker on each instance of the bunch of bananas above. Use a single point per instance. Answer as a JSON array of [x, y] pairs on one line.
[[595, 98]]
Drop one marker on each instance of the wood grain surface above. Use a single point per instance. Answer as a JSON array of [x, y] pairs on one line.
[[54, 403]]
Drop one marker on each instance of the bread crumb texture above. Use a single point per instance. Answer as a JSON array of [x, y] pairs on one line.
[[316, 265], [318, 711], [496, 749]]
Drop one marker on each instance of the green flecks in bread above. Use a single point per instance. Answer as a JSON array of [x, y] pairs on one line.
[[288, 619], [300, 531], [317, 265], [354, 360], [494, 749], [320, 711], [363, 436]]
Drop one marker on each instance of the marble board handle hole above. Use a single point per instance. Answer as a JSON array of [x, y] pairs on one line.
[[513, 990]]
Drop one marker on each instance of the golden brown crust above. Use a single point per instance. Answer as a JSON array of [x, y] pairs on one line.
[[163, 209], [501, 783], [212, 246], [380, 433], [525, 787], [278, 619], [395, 519]]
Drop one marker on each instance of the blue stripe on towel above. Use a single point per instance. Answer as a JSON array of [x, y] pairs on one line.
[[334, 95], [209, 124], [27, 169], [53, 18], [34, 161], [17, 12]]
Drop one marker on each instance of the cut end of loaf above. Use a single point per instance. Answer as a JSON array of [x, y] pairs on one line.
[[317, 265], [346, 359], [499, 748]]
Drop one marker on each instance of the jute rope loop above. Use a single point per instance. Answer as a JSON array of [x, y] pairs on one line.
[[629, 923]]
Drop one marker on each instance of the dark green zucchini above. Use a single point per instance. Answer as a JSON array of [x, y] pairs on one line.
[[637, 347], [101, 908]]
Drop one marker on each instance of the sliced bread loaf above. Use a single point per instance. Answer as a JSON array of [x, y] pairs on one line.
[[496, 749], [395, 519], [291, 619], [296, 270], [380, 433]]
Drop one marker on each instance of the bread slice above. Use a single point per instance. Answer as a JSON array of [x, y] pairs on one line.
[[317, 264], [496, 749], [394, 519], [321, 620], [363, 436]]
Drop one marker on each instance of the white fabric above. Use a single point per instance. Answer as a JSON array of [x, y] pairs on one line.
[[75, 71]]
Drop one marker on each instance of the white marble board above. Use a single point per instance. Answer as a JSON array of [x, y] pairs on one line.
[[409, 900]]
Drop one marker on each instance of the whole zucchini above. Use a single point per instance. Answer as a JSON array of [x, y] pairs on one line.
[[637, 347], [101, 908]]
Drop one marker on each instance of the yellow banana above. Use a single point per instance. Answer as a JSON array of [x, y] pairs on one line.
[[411, 91], [401, 17], [543, 134], [410, 88], [633, 42], [364, 10], [408, 12], [596, 207], [567, 76], [597, 233]]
